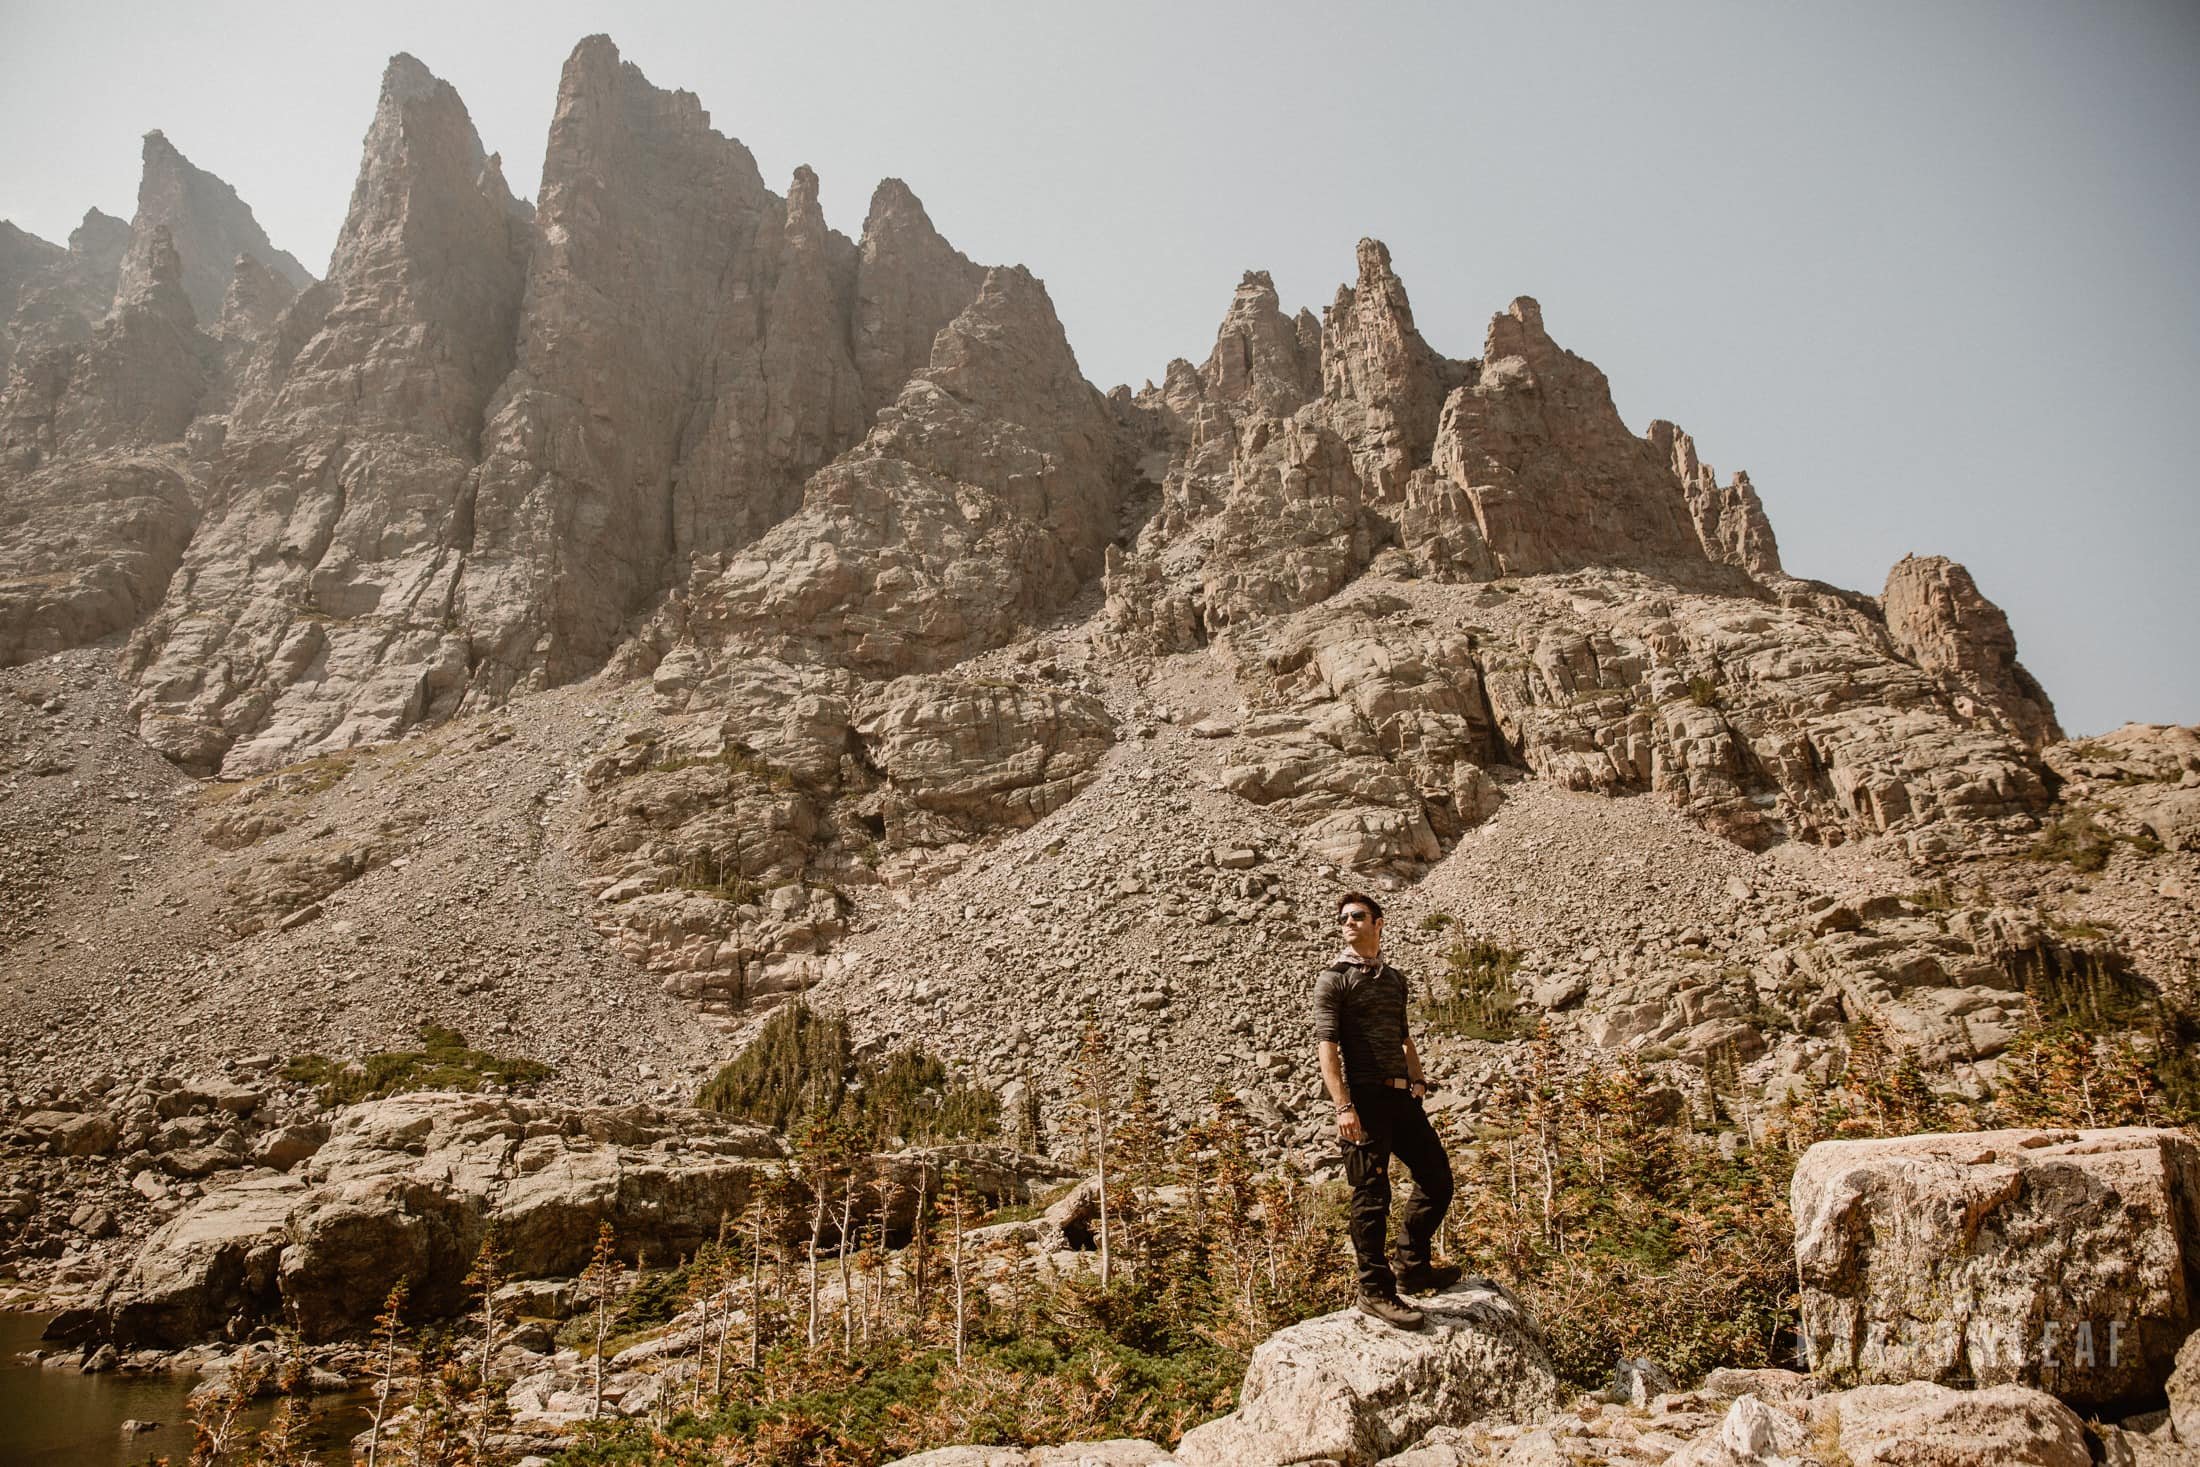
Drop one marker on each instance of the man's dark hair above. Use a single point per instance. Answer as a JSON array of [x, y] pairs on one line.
[[1374, 907]]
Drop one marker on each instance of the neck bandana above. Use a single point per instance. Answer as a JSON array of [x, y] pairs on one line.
[[1349, 956]]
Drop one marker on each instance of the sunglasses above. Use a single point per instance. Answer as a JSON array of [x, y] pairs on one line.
[[1354, 917]]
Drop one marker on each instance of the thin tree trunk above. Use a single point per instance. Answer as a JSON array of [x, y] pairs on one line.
[[917, 1226], [817, 1230], [756, 1302], [603, 1322], [847, 1297], [1100, 1110], [382, 1391], [960, 1315]]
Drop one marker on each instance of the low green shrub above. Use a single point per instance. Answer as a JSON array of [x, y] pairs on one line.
[[443, 1062]]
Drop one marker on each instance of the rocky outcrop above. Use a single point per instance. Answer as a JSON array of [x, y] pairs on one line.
[[318, 608], [1763, 722], [1346, 1388], [978, 504], [679, 372], [2061, 1260], [136, 383], [98, 500], [1263, 361], [59, 304], [723, 833], [1937, 618], [1384, 386], [23, 257], [909, 284], [87, 550], [1534, 473], [407, 1187], [1920, 1424], [971, 758], [2141, 781], [1730, 519], [209, 225]]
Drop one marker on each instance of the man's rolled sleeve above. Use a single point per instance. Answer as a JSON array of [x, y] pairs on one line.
[[1327, 1002]]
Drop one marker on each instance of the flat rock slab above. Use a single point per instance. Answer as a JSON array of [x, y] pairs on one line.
[[1118, 1453], [1348, 1389], [1924, 1425], [2064, 1260]]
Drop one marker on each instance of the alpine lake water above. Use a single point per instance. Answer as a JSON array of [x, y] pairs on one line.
[[62, 1418]]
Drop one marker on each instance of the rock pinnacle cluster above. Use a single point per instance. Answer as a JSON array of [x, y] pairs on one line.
[[592, 622]]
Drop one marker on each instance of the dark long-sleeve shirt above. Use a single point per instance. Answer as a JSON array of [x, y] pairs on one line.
[[1363, 1012]]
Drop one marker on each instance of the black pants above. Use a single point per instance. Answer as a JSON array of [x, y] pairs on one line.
[[1395, 1126]]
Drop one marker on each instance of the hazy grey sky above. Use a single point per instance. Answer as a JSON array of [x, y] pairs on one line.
[[1931, 273]]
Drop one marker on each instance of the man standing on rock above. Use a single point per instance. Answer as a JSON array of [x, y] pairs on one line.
[[1374, 1075]]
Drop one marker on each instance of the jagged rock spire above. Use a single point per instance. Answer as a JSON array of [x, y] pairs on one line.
[[909, 283], [209, 224], [1262, 358]]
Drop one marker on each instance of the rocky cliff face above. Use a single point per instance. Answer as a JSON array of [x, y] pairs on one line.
[[314, 605], [882, 583], [644, 373]]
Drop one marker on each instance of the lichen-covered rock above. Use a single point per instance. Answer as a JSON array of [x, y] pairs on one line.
[[2062, 1260], [1346, 1388]]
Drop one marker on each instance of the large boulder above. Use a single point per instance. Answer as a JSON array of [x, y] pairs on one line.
[[2063, 1260], [213, 1262], [1121, 1452], [1347, 1388], [1924, 1425], [408, 1187]]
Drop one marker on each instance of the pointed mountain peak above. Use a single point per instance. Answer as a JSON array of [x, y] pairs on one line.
[[97, 229], [894, 202], [1260, 358], [1008, 345], [208, 226], [910, 282], [432, 245], [407, 76]]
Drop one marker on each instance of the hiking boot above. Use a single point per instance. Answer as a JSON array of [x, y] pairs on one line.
[[1425, 1277], [1390, 1311]]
